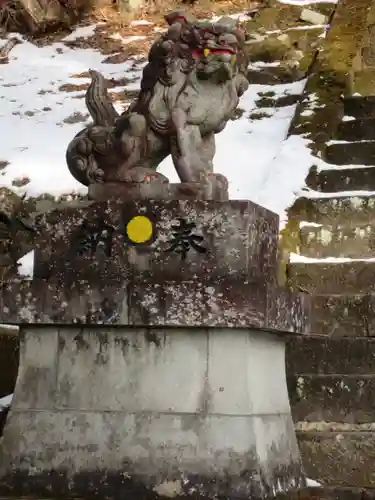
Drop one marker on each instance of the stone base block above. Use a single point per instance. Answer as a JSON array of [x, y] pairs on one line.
[[148, 414], [223, 303], [165, 240]]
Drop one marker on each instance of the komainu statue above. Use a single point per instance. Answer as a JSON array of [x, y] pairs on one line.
[[190, 88]]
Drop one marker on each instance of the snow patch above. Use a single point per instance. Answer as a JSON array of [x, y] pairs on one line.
[[306, 2], [128, 39], [309, 224], [312, 482], [26, 265], [240, 16], [296, 258], [141, 22], [5, 402], [82, 32], [340, 194]]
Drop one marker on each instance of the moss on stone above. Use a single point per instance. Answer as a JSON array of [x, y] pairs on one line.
[[363, 82], [323, 8], [331, 78], [269, 50], [276, 17], [289, 237], [289, 242], [258, 115], [280, 16]]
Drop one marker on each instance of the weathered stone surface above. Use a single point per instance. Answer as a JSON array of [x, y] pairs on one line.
[[326, 356], [362, 129], [349, 210], [352, 153], [341, 278], [287, 311], [48, 303], [337, 241], [339, 458], [330, 398], [272, 75], [166, 411], [224, 303], [331, 380], [360, 107], [348, 179], [336, 493], [217, 190], [343, 315], [221, 239], [363, 81]]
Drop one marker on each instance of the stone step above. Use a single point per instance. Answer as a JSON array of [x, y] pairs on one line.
[[351, 153], [331, 493], [339, 458], [348, 179], [356, 130], [337, 241], [332, 398], [349, 315], [353, 277], [322, 356], [350, 211], [360, 107], [269, 75]]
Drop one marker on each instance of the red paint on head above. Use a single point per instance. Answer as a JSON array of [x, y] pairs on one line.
[[177, 18], [197, 53]]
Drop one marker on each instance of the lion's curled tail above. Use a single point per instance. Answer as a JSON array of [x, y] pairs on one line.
[[98, 102]]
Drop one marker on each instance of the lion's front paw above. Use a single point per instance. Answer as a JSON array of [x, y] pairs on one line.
[[98, 176], [93, 172]]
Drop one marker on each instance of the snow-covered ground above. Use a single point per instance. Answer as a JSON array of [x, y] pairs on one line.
[[5, 402], [33, 109]]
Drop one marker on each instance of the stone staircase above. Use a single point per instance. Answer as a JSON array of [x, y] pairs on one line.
[[341, 226], [332, 376]]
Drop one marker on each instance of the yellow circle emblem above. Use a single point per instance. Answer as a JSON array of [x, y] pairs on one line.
[[139, 229]]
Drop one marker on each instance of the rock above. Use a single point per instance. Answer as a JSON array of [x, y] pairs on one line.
[[313, 17], [9, 201], [284, 38], [360, 107]]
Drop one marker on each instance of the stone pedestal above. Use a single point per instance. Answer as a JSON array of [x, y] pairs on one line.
[[137, 413], [154, 186], [152, 356]]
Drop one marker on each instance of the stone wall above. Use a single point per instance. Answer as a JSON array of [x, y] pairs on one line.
[[331, 386]]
